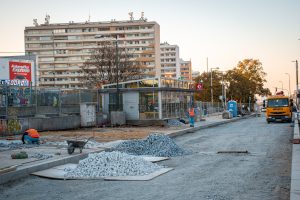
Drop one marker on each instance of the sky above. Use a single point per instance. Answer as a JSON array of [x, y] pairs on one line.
[[222, 32]]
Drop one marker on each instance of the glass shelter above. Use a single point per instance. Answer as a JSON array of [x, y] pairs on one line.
[[151, 98]]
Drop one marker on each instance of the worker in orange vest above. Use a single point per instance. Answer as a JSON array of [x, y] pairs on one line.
[[192, 116], [31, 136]]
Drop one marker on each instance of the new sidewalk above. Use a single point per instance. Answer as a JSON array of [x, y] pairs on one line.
[[295, 171], [23, 167]]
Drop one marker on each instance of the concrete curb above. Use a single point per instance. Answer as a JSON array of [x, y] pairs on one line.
[[22, 172], [193, 129], [295, 171]]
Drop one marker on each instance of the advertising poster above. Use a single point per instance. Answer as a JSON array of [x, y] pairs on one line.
[[20, 71]]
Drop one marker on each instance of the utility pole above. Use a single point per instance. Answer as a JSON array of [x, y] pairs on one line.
[[207, 64], [297, 83], [117, 75]]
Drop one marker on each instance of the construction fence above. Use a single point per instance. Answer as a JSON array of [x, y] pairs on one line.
[[18, 102]]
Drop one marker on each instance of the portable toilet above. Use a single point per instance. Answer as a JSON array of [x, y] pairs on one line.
[[232, 108]]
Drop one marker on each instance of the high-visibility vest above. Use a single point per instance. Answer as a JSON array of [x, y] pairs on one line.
[[33, 133], [192, 112]]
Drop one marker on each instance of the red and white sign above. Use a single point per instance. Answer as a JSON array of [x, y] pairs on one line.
[[19, 71], [199, 86]]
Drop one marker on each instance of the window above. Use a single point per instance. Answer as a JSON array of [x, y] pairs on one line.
[[45, 38], [104, 29], [59, 31], [47, 59], [73, 37]]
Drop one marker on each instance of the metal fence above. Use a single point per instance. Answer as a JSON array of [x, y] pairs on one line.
[[208, 108], [17, 102]]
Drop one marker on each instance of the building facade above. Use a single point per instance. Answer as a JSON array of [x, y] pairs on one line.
[[186, 69], [169, 54], [64, 47]]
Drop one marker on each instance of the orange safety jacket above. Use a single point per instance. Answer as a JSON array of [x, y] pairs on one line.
[[33, 133], [192, 112]]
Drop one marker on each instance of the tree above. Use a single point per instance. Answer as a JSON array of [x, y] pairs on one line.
[[101, 67], [246, 80], [243, 81], [205, 94]]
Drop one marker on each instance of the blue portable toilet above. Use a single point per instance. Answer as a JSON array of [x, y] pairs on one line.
[[232, 108]]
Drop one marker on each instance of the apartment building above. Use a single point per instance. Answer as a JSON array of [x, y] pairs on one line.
[[62, 48], [169, 55], [186, 69]]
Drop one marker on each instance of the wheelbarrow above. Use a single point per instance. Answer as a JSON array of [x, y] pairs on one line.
[[72, 144]]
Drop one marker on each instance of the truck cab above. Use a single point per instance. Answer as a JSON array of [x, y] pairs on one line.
[[278, 109]]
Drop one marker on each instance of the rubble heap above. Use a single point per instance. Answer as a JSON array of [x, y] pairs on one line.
[[175, 122], [14, 144], [111, 164], [155, 145], [41, 156]]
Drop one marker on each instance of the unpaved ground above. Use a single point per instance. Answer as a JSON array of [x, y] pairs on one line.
[[107, 134]]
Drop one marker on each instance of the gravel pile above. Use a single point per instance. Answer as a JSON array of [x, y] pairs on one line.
[[111, 164], [41, 156], [14, 144], [175, 122], [155, 145]]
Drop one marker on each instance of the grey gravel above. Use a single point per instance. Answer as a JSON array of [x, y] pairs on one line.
[[155, 145], [14, 144], [41, 156], [111, 164], [175, 122]]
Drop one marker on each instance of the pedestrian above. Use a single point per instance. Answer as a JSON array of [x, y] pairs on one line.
[[293, 109], [31, 136], [192, 116]]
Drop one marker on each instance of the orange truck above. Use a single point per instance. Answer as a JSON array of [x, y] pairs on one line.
[[278, 108]]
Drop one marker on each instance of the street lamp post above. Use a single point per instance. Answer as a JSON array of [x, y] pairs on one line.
[[296, 61], [211, 85], [117, 75], [289, 83]]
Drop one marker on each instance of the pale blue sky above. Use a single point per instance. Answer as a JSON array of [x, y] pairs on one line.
[[225, 31]]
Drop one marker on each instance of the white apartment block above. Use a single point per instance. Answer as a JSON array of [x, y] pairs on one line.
[[63, 47], [169, 55]]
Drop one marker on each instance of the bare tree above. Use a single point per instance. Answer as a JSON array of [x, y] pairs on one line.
[[109, 64]]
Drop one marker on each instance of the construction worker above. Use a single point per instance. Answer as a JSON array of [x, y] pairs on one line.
[[31, 136], [192, 116]]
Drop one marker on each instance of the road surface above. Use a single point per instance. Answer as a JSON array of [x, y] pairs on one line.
[[261, 174]]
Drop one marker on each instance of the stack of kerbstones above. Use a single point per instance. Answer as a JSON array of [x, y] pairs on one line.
[[111, 164], [155, 145]]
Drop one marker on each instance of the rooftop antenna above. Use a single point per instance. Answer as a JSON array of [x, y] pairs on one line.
[[131, 16], [142, 16], [89, 16], [47, 19], [35, 22]]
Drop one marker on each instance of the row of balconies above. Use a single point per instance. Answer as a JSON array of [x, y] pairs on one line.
[[92, 33], [87, 40], [81, 46]]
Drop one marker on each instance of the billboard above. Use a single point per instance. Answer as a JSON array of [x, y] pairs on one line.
[[16, 71], [19, 70]]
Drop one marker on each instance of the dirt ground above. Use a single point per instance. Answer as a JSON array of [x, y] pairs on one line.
[[106, 134]]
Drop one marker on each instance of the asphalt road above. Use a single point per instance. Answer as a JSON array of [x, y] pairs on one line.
[[262, 174]]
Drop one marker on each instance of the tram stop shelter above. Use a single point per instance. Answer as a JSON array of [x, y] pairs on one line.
[[150, 98]]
